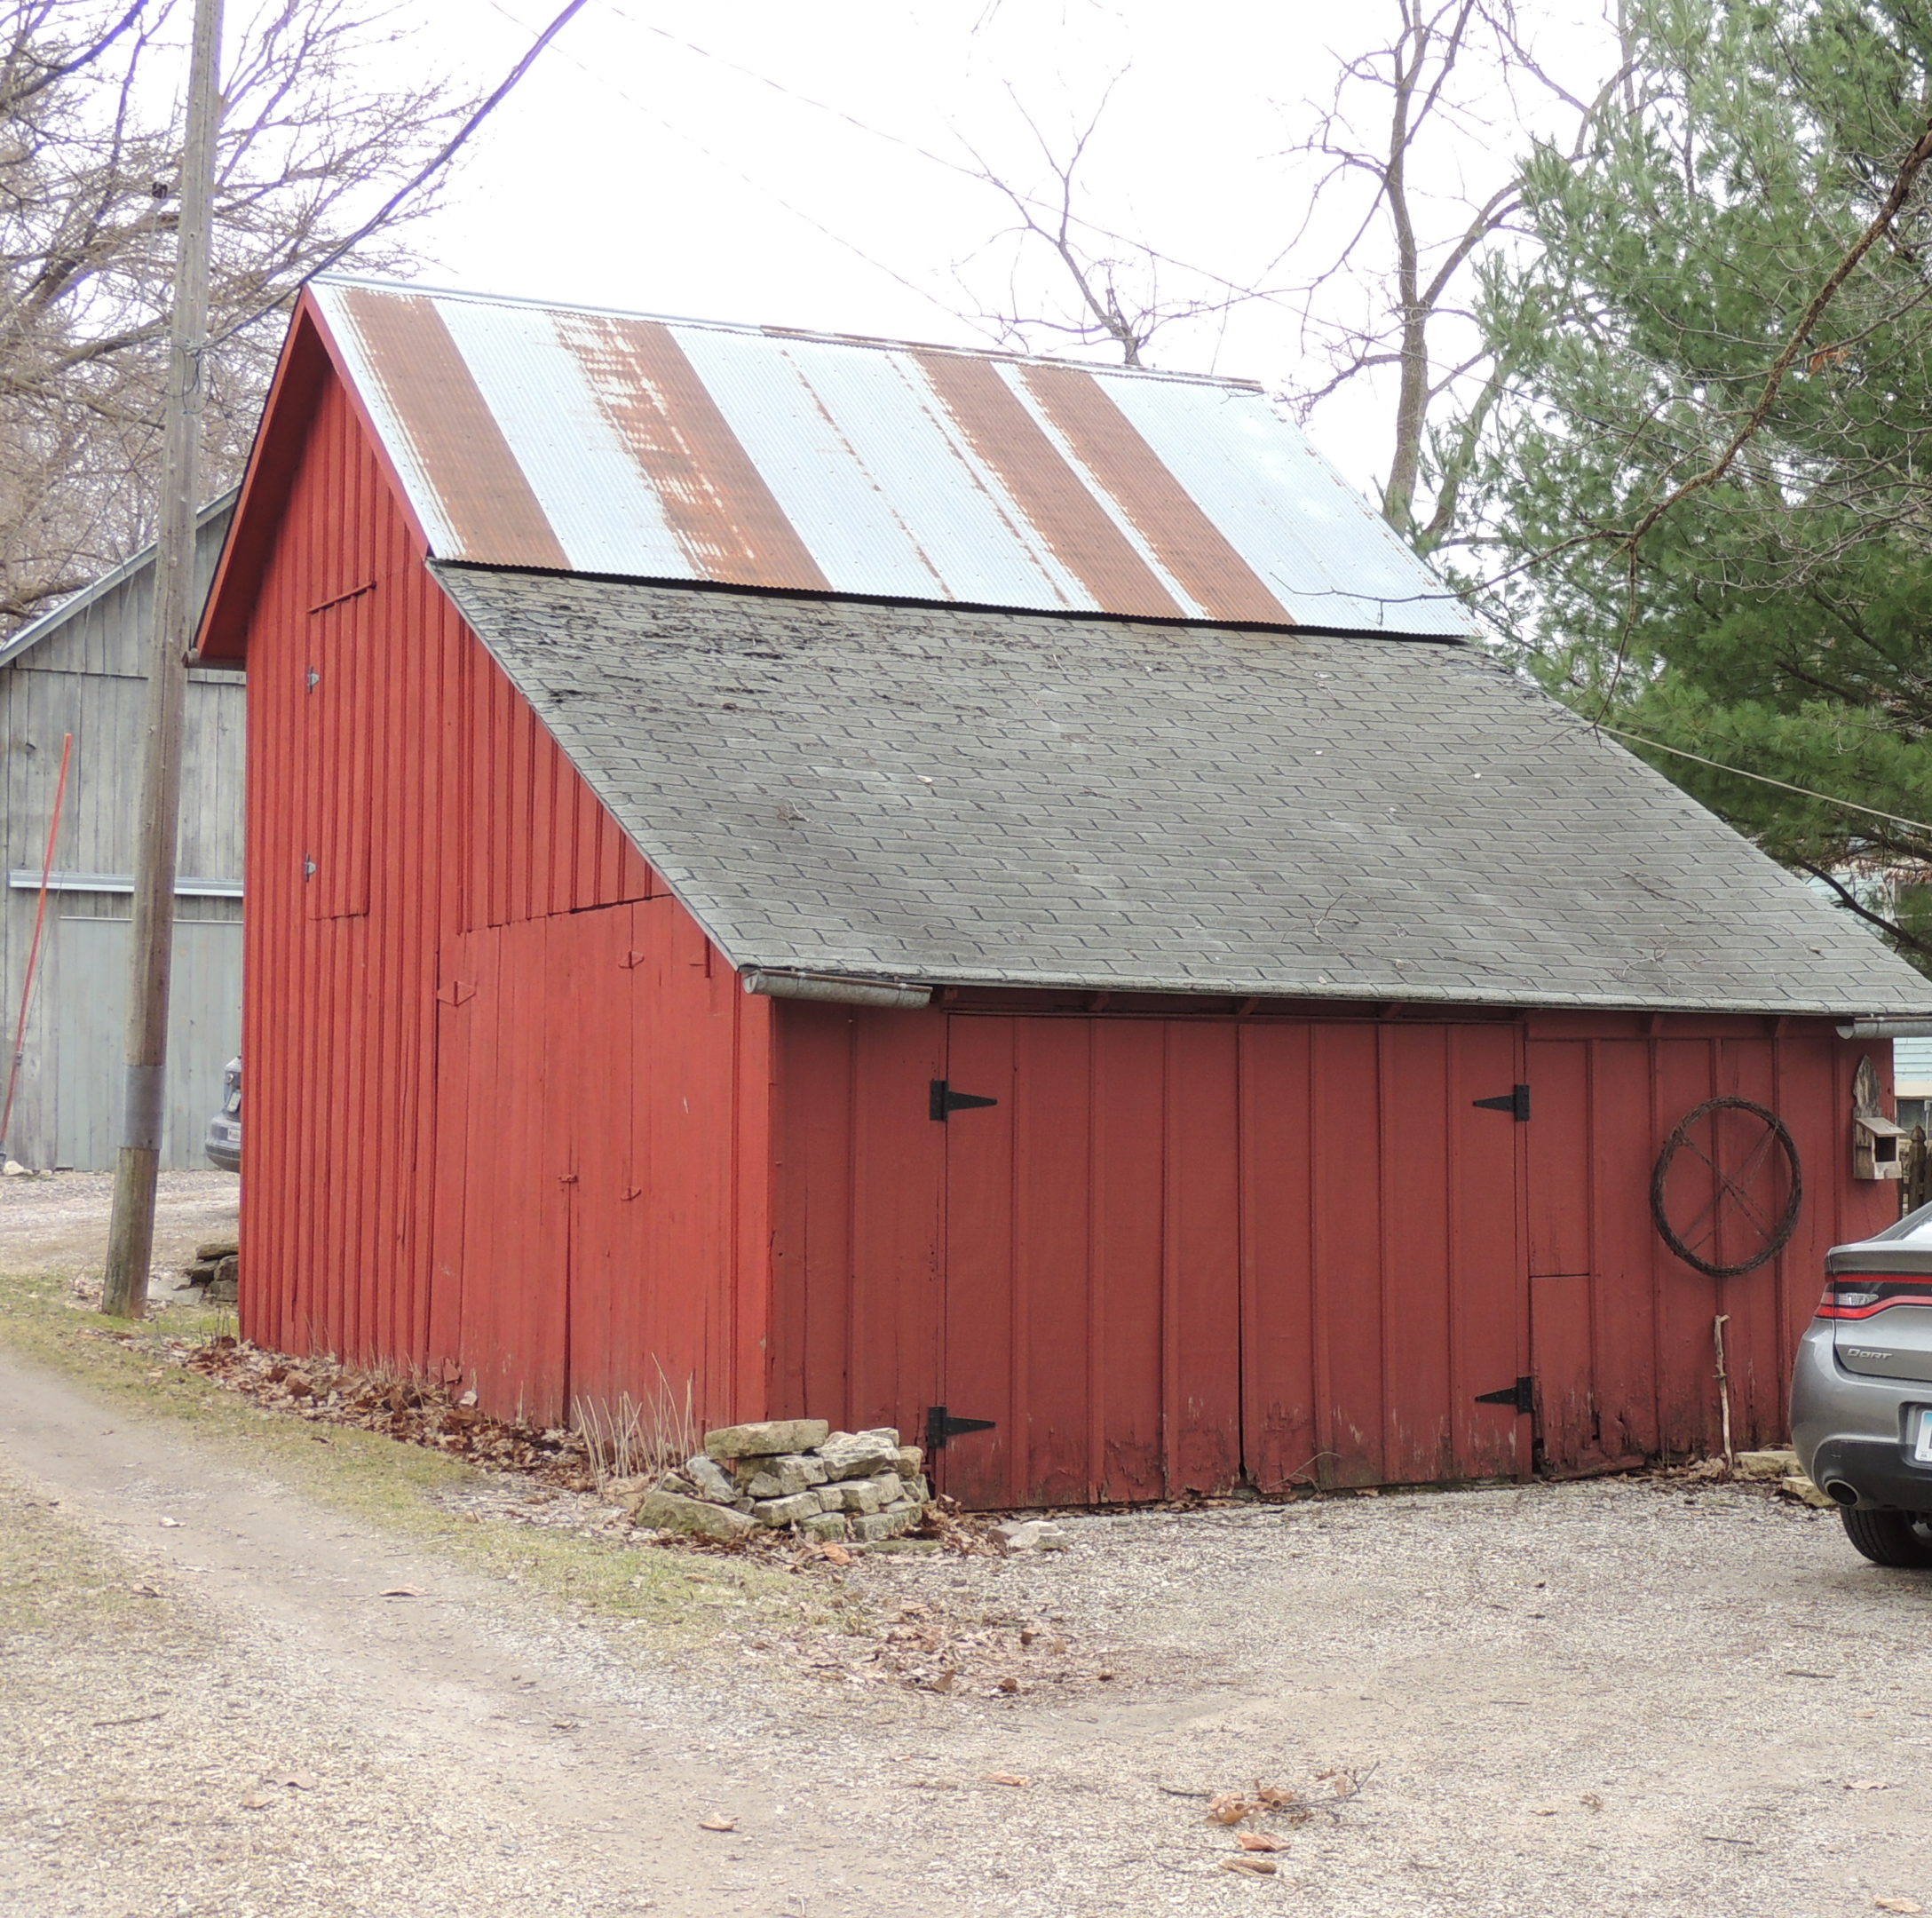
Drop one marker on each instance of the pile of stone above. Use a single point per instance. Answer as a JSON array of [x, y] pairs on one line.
[[215, 1267], [795, 1474]]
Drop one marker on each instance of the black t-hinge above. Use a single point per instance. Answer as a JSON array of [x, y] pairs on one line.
[[1522, 1395], [945, 1100], [941, 1425], [1515, 1101]]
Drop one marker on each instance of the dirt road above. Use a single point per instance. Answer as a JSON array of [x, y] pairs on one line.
[[1619, 1699]]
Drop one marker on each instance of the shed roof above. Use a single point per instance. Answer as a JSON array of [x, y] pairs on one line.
[[210, 529], [577, 440], [968, 796]]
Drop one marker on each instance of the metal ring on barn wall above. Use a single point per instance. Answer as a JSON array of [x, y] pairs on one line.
[[1730, 1197]]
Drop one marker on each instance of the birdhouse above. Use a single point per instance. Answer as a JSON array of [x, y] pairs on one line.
[[1874, 1137], [1874, 1146]]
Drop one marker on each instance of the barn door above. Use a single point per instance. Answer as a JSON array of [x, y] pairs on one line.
[[1092, 1266]]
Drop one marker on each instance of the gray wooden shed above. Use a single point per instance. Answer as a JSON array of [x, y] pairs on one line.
[[80, 669]]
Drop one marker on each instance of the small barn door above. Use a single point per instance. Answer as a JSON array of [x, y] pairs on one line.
[[1385, 1333], [1183, 1252], [1092, 1259]]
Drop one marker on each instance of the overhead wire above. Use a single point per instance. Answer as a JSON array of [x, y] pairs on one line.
[[725, 165], [924, 152], [1765, 779]]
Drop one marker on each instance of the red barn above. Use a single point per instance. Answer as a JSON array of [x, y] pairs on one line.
[[918, 887]]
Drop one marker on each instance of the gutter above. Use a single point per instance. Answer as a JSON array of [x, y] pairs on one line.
[[1887, 1028], [838, 990]]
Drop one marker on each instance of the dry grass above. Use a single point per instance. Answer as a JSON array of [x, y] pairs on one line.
[[629, 1438]]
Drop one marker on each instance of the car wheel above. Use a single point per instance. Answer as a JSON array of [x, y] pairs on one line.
[[1890, 1537]]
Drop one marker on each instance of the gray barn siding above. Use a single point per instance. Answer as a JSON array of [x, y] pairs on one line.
[[85, 674]]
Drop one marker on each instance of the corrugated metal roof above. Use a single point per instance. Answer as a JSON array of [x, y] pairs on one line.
[[581, 440]]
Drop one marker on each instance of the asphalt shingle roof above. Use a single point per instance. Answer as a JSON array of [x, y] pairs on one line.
[[959, 796]]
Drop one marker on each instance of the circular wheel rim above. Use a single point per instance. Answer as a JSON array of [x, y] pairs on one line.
[[1730, 1187]]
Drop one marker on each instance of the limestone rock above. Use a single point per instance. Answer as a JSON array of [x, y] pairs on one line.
[[217, 1248], [1798, 1486], [1774, 1464], [779, 1477], [785, 1511], [852, 1495], [668, 1511], [825, 1525], [1033, 1534], [910, 1462], [711, 1480], [860, 1454], [766, 1438], [884, 1525]]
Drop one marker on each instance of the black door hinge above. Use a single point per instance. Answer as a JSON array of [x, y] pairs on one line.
[[1515, 1101], [1522, 1395], [941, 1425], [945, 1100]]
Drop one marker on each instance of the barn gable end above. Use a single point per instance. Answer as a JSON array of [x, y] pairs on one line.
[[450, 944]]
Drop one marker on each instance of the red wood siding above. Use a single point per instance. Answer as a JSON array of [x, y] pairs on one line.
[[1176, 1252], [499, 1086], [1621, 1327], [1183, 1251]]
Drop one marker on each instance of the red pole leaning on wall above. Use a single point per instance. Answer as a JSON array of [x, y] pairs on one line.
[[33, 951]]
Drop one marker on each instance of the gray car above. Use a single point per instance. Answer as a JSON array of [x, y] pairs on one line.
[[1861, 1396], [223, 1144]]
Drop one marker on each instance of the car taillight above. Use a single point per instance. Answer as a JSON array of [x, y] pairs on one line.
[[1860, 1295]]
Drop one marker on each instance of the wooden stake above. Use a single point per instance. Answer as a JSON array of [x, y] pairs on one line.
[[131, 1236], [1723, 1389]]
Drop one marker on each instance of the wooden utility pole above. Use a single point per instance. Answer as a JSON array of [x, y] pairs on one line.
[[131, 1239]]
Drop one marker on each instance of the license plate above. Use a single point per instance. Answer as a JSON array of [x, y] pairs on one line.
[[1921, 1450]]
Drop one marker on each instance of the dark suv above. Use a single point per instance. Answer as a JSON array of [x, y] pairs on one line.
[[1861, 1396]]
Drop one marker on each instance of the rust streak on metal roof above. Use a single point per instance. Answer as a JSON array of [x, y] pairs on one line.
[[716, 500], [489, 502], [1163, 511], [1062, 511]]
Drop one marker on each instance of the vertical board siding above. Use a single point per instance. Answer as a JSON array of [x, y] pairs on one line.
[[1179, 1252], [1174, 1253], [1622, 1329], [85, 675], [505, 1106]]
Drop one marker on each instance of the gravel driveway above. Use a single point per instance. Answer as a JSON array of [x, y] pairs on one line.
[[1613, 1698]]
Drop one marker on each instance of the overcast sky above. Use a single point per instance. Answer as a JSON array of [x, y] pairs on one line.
[[809, 165]]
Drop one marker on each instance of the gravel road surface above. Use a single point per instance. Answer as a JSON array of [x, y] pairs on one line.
[[1617, 1698]]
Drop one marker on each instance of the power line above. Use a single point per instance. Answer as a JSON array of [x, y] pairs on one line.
[[924, 152], [1764, 778], [737, 173]]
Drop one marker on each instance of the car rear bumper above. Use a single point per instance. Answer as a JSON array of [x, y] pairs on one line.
[[1876, 1471], [1850, 1430]]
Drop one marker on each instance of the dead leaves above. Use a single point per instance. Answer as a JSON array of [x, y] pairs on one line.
[[1867, 1784], [402, 1592], [422, 1412], [1004, 1778], [1896, 1905], [1236, 1808], [1278, 1804], [717, 1822], [927, 1648]]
